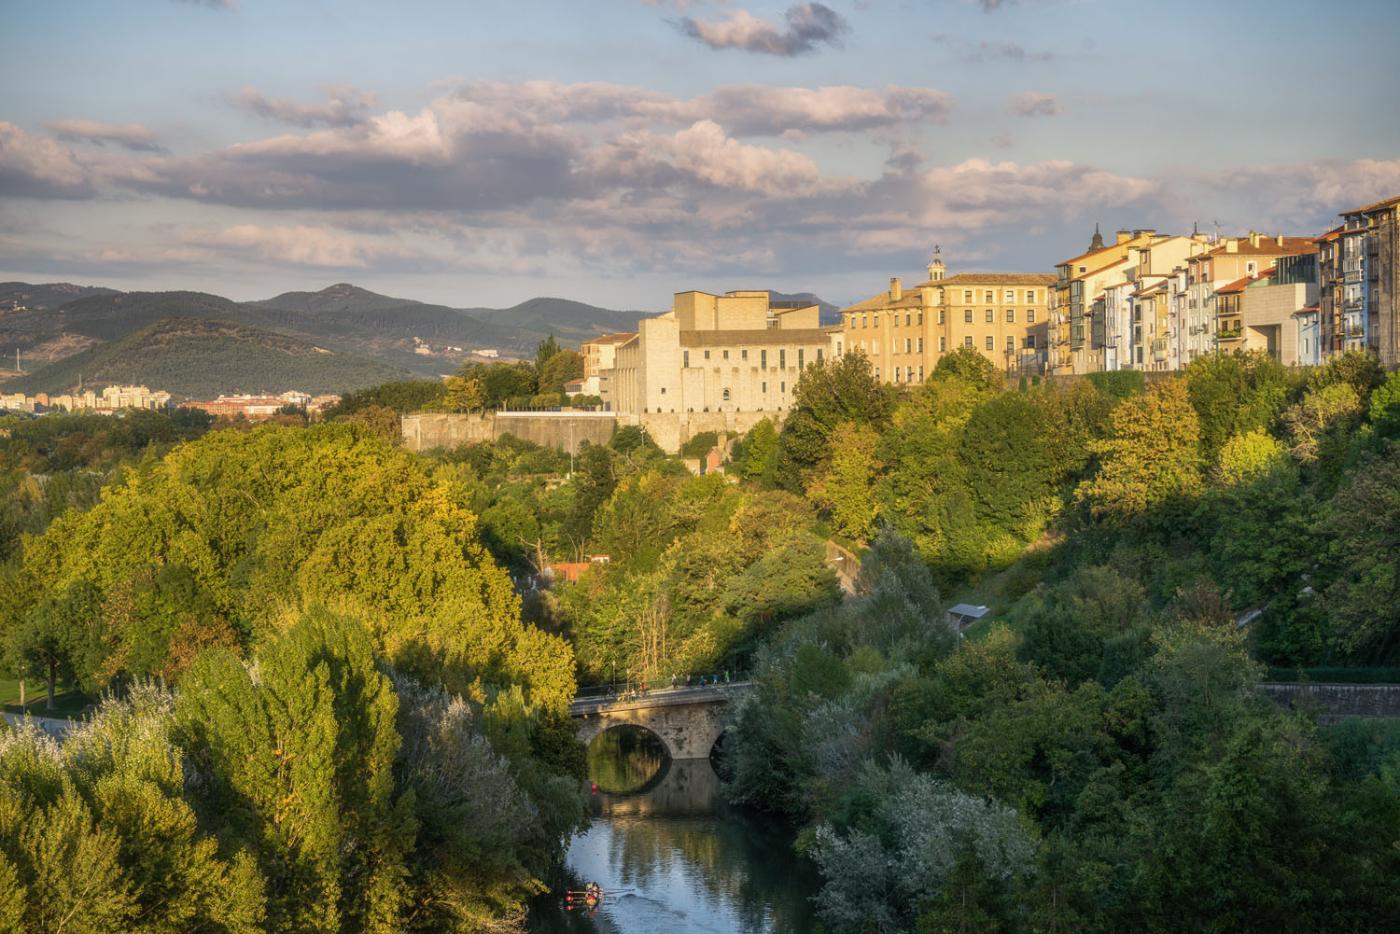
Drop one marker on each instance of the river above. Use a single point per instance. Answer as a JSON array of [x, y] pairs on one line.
[[672, 856]]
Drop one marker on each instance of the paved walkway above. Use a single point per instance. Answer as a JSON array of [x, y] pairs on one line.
[[54, 726]]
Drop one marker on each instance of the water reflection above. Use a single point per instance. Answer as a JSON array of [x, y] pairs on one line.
[[626, 760], [675, 858]]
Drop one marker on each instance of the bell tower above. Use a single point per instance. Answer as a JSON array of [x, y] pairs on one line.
[[1097, 242], [936, 269]]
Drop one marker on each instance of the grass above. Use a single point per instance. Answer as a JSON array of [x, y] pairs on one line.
[[67, 703]]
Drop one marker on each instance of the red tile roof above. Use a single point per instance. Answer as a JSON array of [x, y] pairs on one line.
[[1240, 284]]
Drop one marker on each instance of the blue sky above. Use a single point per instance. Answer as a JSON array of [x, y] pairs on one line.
[[615, 151]]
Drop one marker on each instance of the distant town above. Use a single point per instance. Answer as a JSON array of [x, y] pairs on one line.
[[115, 399]]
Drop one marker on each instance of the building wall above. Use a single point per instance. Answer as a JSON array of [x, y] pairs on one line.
[[1267, 315]]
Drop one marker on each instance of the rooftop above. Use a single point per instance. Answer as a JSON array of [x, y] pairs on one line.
[[619, 338], [997, 278], [774, 336], [1240, 284], [1388, 202]]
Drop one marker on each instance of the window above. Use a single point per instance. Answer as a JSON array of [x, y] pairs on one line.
[[726, 355], [908, 319], [1010, 296], [991, 342], [967, 316], [989, 296], [1010, 343], [851, 322], [1010, 316], [921, 345], [908, 345], [967, 342], [765, 386], [707, 355], [1081, 269], [799, 358], [967, 296], [819, 351], [909, 374], [1030, 296], [1030, 341], [782, 387], [991, 316], [1030, 316], [744, 354], [896, 374], [921, 319], [763, 359], [726, 393], [782, 359], [862, 321], [942, 344], [663, 392], [921, 374], [685, 358], [940, 316]]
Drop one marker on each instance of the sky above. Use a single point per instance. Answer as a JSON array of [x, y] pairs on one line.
[[483, 152]]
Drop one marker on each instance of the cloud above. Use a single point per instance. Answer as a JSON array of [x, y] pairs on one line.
[[808, 26], [131, 136], [344, 106], [38, 167], [300, 245], [744, 110], [1035, 104], [211, 4], [977, 53]]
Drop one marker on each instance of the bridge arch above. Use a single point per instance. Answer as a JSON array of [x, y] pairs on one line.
[[689, 723]]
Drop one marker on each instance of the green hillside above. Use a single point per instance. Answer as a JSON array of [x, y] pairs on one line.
[[203, 357], [47, 295], [567, 320]]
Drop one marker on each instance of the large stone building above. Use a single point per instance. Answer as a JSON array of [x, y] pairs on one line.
[[731, 353], [905, 332], [1079, 283]]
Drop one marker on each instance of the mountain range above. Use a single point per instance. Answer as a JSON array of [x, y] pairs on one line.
[[308, 340]]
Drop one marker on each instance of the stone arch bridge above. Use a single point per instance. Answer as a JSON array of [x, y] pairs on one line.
[[689, 720]]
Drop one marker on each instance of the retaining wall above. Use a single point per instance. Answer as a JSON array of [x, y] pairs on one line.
[[1335, 702], [563, 430]]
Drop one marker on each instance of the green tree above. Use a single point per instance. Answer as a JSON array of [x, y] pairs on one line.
[[545, 351], [298, 759], [1151, 457], [828, 393], [757, 454], [971, 367], [558, 369], [844, 486], [1363, 524]]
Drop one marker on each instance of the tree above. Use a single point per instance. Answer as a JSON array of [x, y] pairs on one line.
[[298, 759], [560, 368], [1233, 394], [1151, 457], [1363, 523], [971, 367], [757, 455], [1006, 449], [828, 393], [844, 486], [461, 393], [545, 351]]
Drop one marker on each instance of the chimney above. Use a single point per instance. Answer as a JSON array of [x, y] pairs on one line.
[[1123, 236], [896, 290], [1254, 238], [1232, 245], [1278, 240]]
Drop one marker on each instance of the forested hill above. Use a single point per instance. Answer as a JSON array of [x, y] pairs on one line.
[[48, 295], [568, 320], [203, 357]]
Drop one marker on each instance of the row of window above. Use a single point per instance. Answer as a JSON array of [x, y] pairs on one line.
[[1009, 296], [762, 357], [865, 320]]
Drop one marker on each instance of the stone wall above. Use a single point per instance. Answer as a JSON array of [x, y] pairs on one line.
[[424, 431], [563, 430], [1334, 702]]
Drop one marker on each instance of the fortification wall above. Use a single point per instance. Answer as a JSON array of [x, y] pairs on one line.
[[424, 431], [562, 430]]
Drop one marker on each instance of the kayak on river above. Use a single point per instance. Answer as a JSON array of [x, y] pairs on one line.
[[590, 897]]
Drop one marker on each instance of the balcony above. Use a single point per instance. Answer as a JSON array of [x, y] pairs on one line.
[[1229, 333]]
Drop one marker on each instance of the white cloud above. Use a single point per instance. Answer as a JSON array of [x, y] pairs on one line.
[[344, 106], [132, 136], [808, 25], [1035, 104], [39, 167]]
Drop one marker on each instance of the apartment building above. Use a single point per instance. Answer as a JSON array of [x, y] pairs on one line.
[[905, 332], [1079, 284], [600, 355], [1359, 288]]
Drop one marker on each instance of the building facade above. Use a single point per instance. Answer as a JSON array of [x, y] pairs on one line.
[[1359, 299], [737, 352], [600, 355], [905, 332]]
